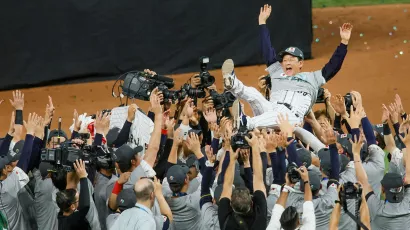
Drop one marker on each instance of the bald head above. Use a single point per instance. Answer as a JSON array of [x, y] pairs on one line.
[[143, 189]]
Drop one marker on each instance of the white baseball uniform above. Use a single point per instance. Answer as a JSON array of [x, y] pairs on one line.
[[291, 95]]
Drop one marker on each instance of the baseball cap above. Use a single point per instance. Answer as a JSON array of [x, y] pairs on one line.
[[196, 131], [325, 163], [54, 133], [304, 156], [18, 147], [13, 156], [45, 168], [393, 187], [191, 161], [343, 161], [294, 51], [126, 199], [314, 180], [344, 140], [125, 154], [177, 174], [112, 136]]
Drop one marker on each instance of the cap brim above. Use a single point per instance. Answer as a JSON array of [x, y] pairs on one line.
[[283, 53], [394, 197]]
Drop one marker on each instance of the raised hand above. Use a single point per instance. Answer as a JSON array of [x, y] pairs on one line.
[[338, 103], [282, 140], [357, 99], [262, 143], [214, 127], [355, 117], [385, 115], [155, 101], [193, 143], [31, 123], [188, 108], [77, 122], [79, 167], [303, 173], [125, 176], [397, 100], [357, 145], [153, 73], [49, 111], [271, 142], [210, 154], [345, 32], [284, 125], [132, 109], [210, 115], [178, 138], [39, 130], [169, 124], [102, 121], [329, 136], [394, 113], [195, 81], [253, 141], [327, 94], [18, 100], [245, 157], [158, 186], [262, 83], [264, 14]]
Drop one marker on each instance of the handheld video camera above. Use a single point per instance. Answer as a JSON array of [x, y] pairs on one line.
[[139, 85], [238, 140]]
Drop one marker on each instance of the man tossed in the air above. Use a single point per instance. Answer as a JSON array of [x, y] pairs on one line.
[[293, 92]]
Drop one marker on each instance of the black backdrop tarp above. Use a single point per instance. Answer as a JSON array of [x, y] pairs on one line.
[[48, 41]]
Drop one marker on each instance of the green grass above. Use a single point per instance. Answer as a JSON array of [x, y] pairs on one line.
[[332, 3]]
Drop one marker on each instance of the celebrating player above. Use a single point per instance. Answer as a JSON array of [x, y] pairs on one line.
[[293, 92]]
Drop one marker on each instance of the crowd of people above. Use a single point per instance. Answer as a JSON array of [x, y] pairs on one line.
[[285, 166]]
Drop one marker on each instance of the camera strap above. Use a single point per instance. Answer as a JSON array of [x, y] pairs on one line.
[[355, 219]]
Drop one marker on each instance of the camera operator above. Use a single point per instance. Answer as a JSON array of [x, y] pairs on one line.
[[238, 209], [336, 214], [73, 206], [392, 213], [288, 219]]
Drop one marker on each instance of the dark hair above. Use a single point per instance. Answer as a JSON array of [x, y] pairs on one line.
[[65, 199], [289, 218], [144, 193], [380, 141], [59, 179], [322, 112], [241, 201], [175, 188]]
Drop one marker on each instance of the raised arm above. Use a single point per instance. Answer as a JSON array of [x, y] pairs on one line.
[[155, 140], [163, 205], [336, 61], [268, 52], [84, 199], [330, 140], [405, 126], [258, 183], [112, 201], [124, 134], [5, 144], [360, 172], [387, 135], [30, 125]]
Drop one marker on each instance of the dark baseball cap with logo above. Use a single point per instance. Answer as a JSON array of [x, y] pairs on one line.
[[13, 156], [124, 155], [304, 156], [126, 199], [177, 174], [393, 187], [294, 51]]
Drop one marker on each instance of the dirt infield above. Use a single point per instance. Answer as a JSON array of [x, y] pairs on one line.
[[370, 66]]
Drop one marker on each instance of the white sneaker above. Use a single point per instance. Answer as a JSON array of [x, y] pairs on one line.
[[228, 73]]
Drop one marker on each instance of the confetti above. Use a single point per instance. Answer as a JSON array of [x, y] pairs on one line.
[[368, 48], [394, 28], [330, 22], [333, 34], [369, 17], [396, 56], [365, 43], [317, 40], [315, 27], [401, 52], [361, 35], [405, 10], [405, 41], [390, 33]]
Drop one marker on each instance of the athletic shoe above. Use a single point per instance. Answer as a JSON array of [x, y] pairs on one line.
[[228, 74]]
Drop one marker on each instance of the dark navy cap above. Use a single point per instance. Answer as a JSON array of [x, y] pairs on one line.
[[294, 51]]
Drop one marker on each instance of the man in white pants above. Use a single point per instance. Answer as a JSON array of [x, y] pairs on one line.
[[293, 92]]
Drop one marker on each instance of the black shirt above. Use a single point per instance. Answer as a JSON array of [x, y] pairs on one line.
[[256, 221], [77, 220]]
